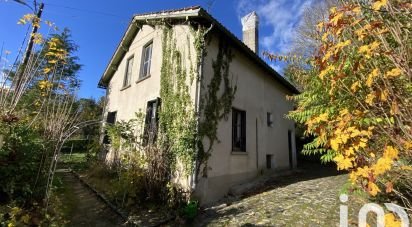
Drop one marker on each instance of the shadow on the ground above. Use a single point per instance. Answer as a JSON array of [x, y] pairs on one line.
[[82, 207], [307, 170]]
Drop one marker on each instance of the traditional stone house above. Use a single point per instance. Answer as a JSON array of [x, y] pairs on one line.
[[254, 137]]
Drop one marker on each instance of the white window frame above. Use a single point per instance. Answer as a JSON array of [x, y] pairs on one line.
[[146, 60], [129, 72]]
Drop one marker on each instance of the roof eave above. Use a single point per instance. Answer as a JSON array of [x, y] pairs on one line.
[[121, 49], [129, 36], [190, 12], [169, 15], [251, 53]]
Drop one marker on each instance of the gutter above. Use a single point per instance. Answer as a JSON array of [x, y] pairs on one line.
[[196, 12], [248, 52]]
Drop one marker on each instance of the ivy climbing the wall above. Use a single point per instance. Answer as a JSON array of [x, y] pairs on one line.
[[177, 115], [187, 131], [216, 104], [185, 128]]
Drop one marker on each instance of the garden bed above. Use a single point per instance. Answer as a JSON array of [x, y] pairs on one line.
[[105, 182]]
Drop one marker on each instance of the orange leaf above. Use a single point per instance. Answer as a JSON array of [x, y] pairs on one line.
[[389, 187]]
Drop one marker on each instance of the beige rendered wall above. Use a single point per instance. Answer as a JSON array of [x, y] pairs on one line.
[[127, 101], [257, 93]]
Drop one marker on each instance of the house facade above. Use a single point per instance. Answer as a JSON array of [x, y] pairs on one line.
[[255, 137]]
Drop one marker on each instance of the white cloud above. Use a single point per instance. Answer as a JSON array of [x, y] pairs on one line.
[[278, 19]]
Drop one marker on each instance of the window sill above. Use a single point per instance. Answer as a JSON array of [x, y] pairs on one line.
[[124, 88], [239, 153], [141, 79]]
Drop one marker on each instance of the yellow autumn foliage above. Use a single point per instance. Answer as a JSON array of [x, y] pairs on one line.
[[378, 4], [393, 73], [373, 189], [371, 77], [391, 221], [368, 50], [360, 76]]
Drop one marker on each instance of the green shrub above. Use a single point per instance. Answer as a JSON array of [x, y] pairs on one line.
[[190, 210], [79, 146], [22, 160]]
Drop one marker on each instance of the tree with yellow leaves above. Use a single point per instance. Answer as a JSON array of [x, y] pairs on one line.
[[358, 100], [38, 113]]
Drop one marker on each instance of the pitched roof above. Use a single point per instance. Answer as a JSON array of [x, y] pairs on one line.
[[193, 12]]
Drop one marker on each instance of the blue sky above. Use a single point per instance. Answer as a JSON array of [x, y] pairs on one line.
[[97, 26]]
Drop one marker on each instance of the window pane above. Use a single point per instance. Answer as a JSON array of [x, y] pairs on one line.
[[147, 53], [128, 74], [145, 69], [148, 63], [147, 56], [151, 122], [154, 111], [238, 130], [243, 144], [130, 67], [111, 117]]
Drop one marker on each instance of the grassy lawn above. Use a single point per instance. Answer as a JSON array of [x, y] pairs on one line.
[[76, 161]]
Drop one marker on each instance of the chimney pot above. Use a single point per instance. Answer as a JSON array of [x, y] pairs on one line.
[[250, 25]]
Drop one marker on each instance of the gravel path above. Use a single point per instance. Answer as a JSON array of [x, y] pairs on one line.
[[309, 198], [306, 199], [84, 207]]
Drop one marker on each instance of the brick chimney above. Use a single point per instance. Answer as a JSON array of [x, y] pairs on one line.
[[250, 24]]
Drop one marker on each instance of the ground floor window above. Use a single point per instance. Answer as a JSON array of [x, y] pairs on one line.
[[290, 134], [111, 119], [151, 121], [238, 130]]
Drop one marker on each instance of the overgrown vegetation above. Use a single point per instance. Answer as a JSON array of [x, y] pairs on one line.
[[177, 116], [215, 105], [37, 115], [154, 162], [357, 97]]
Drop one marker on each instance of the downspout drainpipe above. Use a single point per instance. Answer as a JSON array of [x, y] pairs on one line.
[[197, 107]]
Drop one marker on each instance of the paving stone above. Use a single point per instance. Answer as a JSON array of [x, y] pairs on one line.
[[296, 202]]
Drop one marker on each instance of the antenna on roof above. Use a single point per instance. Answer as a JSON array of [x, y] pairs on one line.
[[209, 5]]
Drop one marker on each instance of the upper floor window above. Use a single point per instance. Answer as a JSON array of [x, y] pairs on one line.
[[146, 60], [238, 130], [129, 70]]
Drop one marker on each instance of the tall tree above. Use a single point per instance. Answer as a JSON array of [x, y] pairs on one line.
[[57, 68], [358, 97], [90, 110]]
